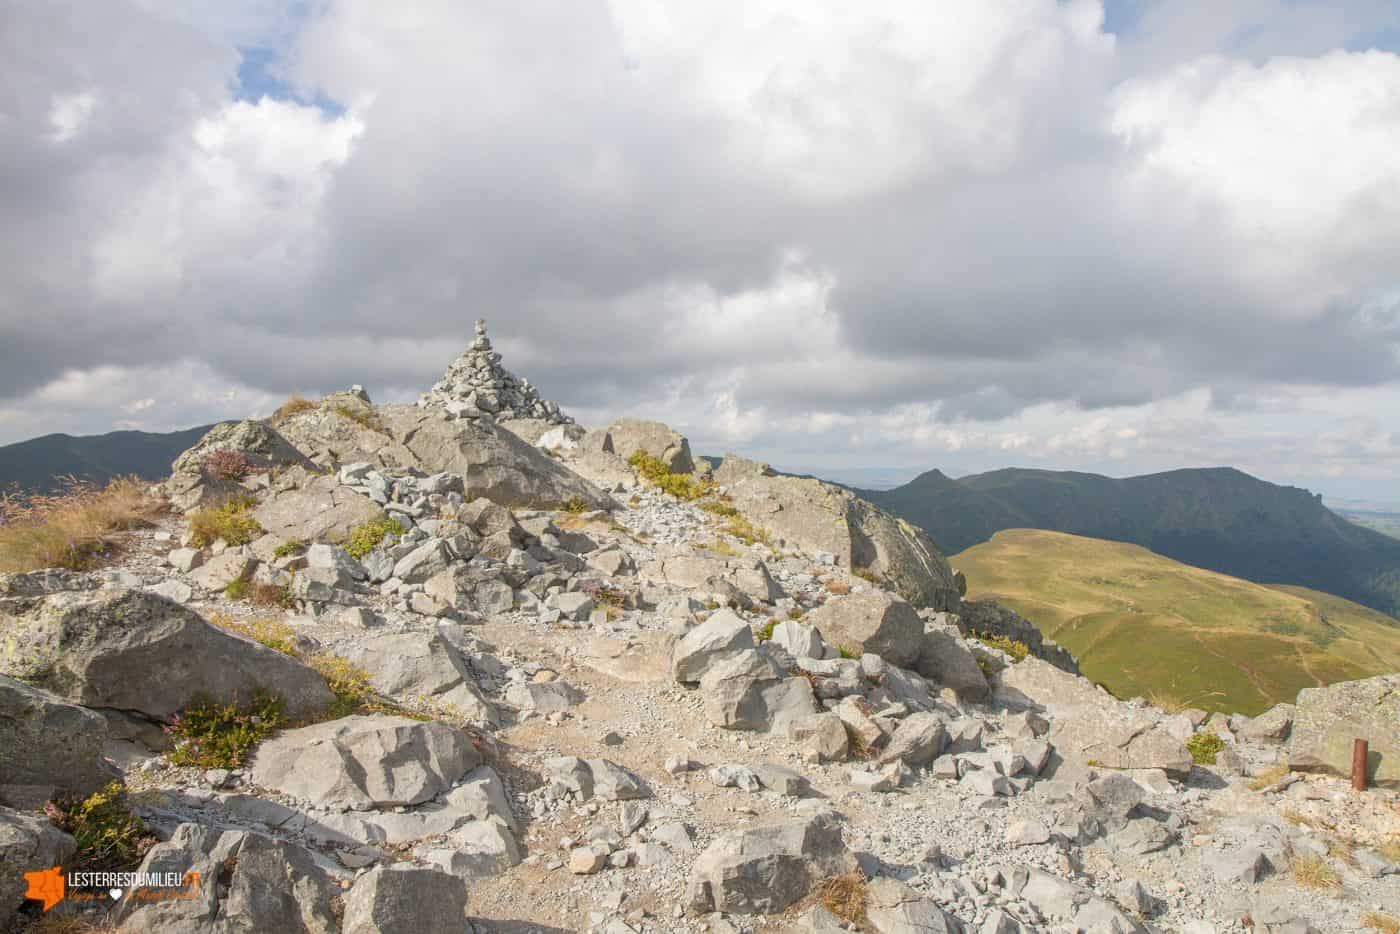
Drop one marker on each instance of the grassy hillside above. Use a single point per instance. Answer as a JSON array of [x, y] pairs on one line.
[[1142, 624], [37, 464], [1217, 518]]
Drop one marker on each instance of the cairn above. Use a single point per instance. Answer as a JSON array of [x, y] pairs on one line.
[[477, 386]]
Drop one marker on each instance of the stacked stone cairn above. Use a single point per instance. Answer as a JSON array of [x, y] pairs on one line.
[[477, 386]]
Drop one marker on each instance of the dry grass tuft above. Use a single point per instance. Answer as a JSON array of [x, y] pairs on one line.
[[1314, 872], [295, 404], [1270, 776], [839, 588], [75, 528], [1390, 849], [845, 896], [1386, 924]]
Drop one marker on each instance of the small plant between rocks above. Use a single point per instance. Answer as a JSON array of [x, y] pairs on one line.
[[1016, 649], [294, 405], [683, 486], [225, 465], [211, 735], [846, 896], [1314, 872], [110, 838], [368, 536], [1385, 924], [1204, 747], [230, 521]]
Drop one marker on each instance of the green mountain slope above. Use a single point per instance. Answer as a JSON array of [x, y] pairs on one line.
[[1145, 625], [39, 463], [1216, 518]]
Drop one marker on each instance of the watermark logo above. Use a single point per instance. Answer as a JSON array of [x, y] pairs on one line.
[[51, 886]]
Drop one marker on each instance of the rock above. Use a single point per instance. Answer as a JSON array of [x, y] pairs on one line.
[[174, 590], [478, 849], [765, 868], [1088, 723], [821, 737], [221, 570], [549, 697], [745, 575], [364, 762], [782, 780], [917, 741], [735, 776], [1099, 914], [321, 510], [259, 443], [1270, 727], [723, 635], [28, 843], [422, 664], [895, 908], [185, 559], [630, 435], [600, 778], [249, 882], [1028, 832], [799, 639], [822, 517], [1052, 896], [1328, 719], [100, 649], [989, 618], [428, 559], [1245, 864], [885, 778], [48, 744], [322, 555], [747, 691], [574, 605], [945, 658], [475, 386], [405, 900], [586, 860], [877, 623]]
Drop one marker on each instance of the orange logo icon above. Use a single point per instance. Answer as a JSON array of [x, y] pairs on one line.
[[45, 886]]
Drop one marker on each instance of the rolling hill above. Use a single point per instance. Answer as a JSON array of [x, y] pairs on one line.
[[1216, 518], [1142, 624], [37, 465]]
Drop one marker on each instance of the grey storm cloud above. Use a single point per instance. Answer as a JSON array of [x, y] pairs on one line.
[[980, 207]]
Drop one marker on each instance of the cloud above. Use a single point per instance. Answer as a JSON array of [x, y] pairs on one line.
[[895, 230]]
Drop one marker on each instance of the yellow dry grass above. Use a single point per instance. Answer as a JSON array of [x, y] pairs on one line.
[[76, 528]]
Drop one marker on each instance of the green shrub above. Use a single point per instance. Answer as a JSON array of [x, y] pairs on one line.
[[746, 532], [350, 685], [575, 505], [287, 549], [211, 735], [794, 612], [1016, 649], [237, 589], [719, 508], [231, 522], [848, 652], [110, 838], [1204, 746], [274, 634], [765, 632], [367, 536], [868, 576], [684, 486], [362, 417]]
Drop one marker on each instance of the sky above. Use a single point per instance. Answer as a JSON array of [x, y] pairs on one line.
[[861, 240]]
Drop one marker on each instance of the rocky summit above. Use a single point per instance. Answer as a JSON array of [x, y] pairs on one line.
[[468, 666]]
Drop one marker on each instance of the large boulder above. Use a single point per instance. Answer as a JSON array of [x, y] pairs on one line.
[[365, 762], [1327, 720], [423, 664], [892, 907], [1089, 724], [248, 882], [139, 652], [877, 623], [630, 435], [319, 510], [28, 843], [945, 658], [823, 517], [406, 900], [260, 444], [723, 635], [48, 745], [765, 868], [698, 571]]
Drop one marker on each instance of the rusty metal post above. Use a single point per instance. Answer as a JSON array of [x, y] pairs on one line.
[[1359, 754]]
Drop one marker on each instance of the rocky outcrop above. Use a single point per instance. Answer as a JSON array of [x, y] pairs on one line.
[[135, 651], [746, 576], [260, 444], [421, 664], [406, 900], [988, 618], [28, 843], [365, 762], [765, 868], [320, 510], [627, 436], [822, 517], [48, 745], [249, 882], [1326, 720], [476, 386]]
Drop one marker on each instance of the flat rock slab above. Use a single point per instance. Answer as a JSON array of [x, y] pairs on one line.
[[1327, 720]]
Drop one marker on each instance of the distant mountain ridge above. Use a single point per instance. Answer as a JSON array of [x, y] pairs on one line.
[[1218, 518], [39, 464]]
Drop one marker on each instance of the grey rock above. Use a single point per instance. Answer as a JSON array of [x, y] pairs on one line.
[[895, 908], [28, 843], [878, 623], [49, 744], [767, 867], [405, 900], [1328, 719], [630, 435], [917, 741], [723, 635]]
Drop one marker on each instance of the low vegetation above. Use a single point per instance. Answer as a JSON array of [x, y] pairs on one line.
[[1270, 776], [294, 405], [211, 735], [231, 521], [368, 536], [365, 418], [746, 532], [1204, 747], [225, 465], [287, 549], [1147, 626], [764, 633], [1385, 924], [1017, 649], [718, 507], [110, 838], [1314, 872], [273, 633], [846, 896], [77, 528], [684, 486], [575, 505], [260, 594]]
